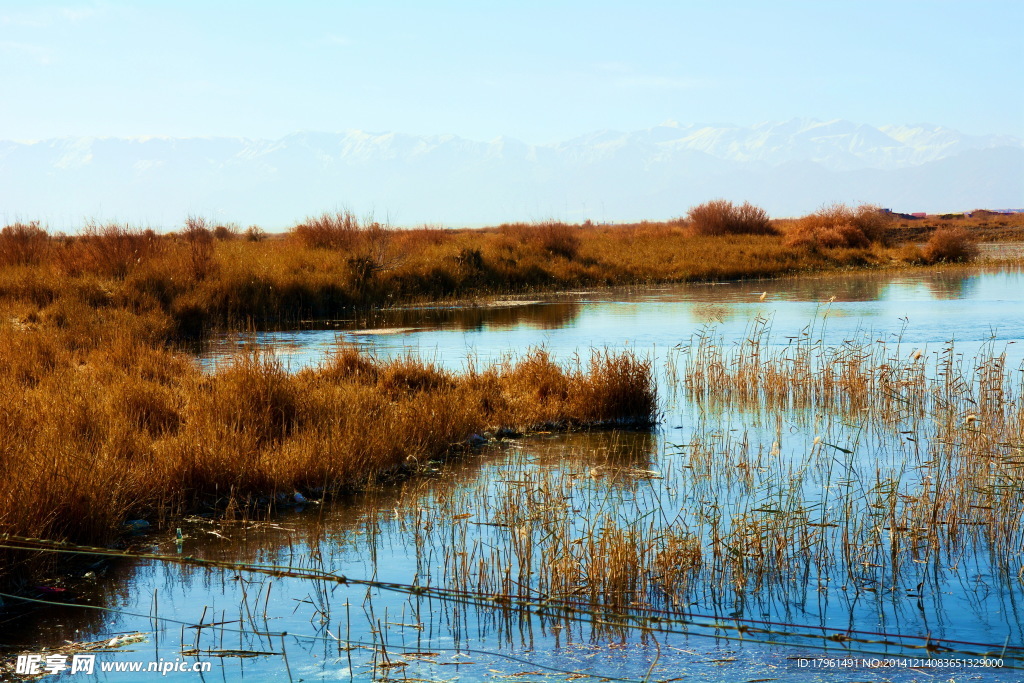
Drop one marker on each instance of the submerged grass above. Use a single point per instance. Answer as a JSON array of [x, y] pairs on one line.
[[864, 477]]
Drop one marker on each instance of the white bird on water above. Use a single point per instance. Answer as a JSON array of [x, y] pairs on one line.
[[763, 295]]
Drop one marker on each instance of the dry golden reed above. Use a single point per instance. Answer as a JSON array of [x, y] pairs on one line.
[[108, 420], [327, 264], [107, 426]]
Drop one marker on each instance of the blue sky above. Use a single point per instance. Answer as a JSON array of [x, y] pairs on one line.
[[539, 72]]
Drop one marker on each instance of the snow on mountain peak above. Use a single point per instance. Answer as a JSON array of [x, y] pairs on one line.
[[787, 166]]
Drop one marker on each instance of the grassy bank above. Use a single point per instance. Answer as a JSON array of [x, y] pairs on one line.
[[201, 277], [103, 426], [288, 278]]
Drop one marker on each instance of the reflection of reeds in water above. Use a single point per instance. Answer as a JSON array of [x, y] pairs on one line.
[[609, 536], [843, 475], [907, 467], [957, 425]]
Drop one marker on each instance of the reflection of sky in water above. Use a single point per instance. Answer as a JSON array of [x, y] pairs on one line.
[[931, 308]]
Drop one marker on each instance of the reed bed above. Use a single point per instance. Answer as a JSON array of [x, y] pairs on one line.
[[107, 425], [201, 276], [797, 505], [905, 478], [863, 469], [952, 430]]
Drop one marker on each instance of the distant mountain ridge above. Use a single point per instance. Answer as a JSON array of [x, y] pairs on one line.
[[790, 168]]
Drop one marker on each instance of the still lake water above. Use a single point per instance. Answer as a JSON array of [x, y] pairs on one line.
[[929, 309], [408, 533]]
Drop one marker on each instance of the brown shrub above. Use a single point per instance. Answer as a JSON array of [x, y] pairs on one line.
[[837, 225], [558, 239], [722, 217], [23, 244], [199, 239], [228, 231], [255, 233], [873, 222], [112, 249], [950, 245], [339, 230]]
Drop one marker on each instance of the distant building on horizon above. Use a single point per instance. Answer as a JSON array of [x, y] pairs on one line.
[[965, 214], [993, 212]]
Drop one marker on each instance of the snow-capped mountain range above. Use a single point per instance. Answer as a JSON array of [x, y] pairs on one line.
[[789, 168]]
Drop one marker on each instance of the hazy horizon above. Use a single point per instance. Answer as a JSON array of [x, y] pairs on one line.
[[539, 74], [448, 133], [790, 168]]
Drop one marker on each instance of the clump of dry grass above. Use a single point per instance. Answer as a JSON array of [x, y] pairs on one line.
[[110, 425], [553, 238], [838, 225], [338, 230], [198, 239], [255, 233], [23, 244], [950, 245], [910, 253], [110, 251], [722, 217]]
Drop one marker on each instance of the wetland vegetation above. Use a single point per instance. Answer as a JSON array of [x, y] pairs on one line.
[[206, 276], [816, 494]]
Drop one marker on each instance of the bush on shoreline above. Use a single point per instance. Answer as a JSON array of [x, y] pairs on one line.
[[722, 217], [838, 225], [951, 245]]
